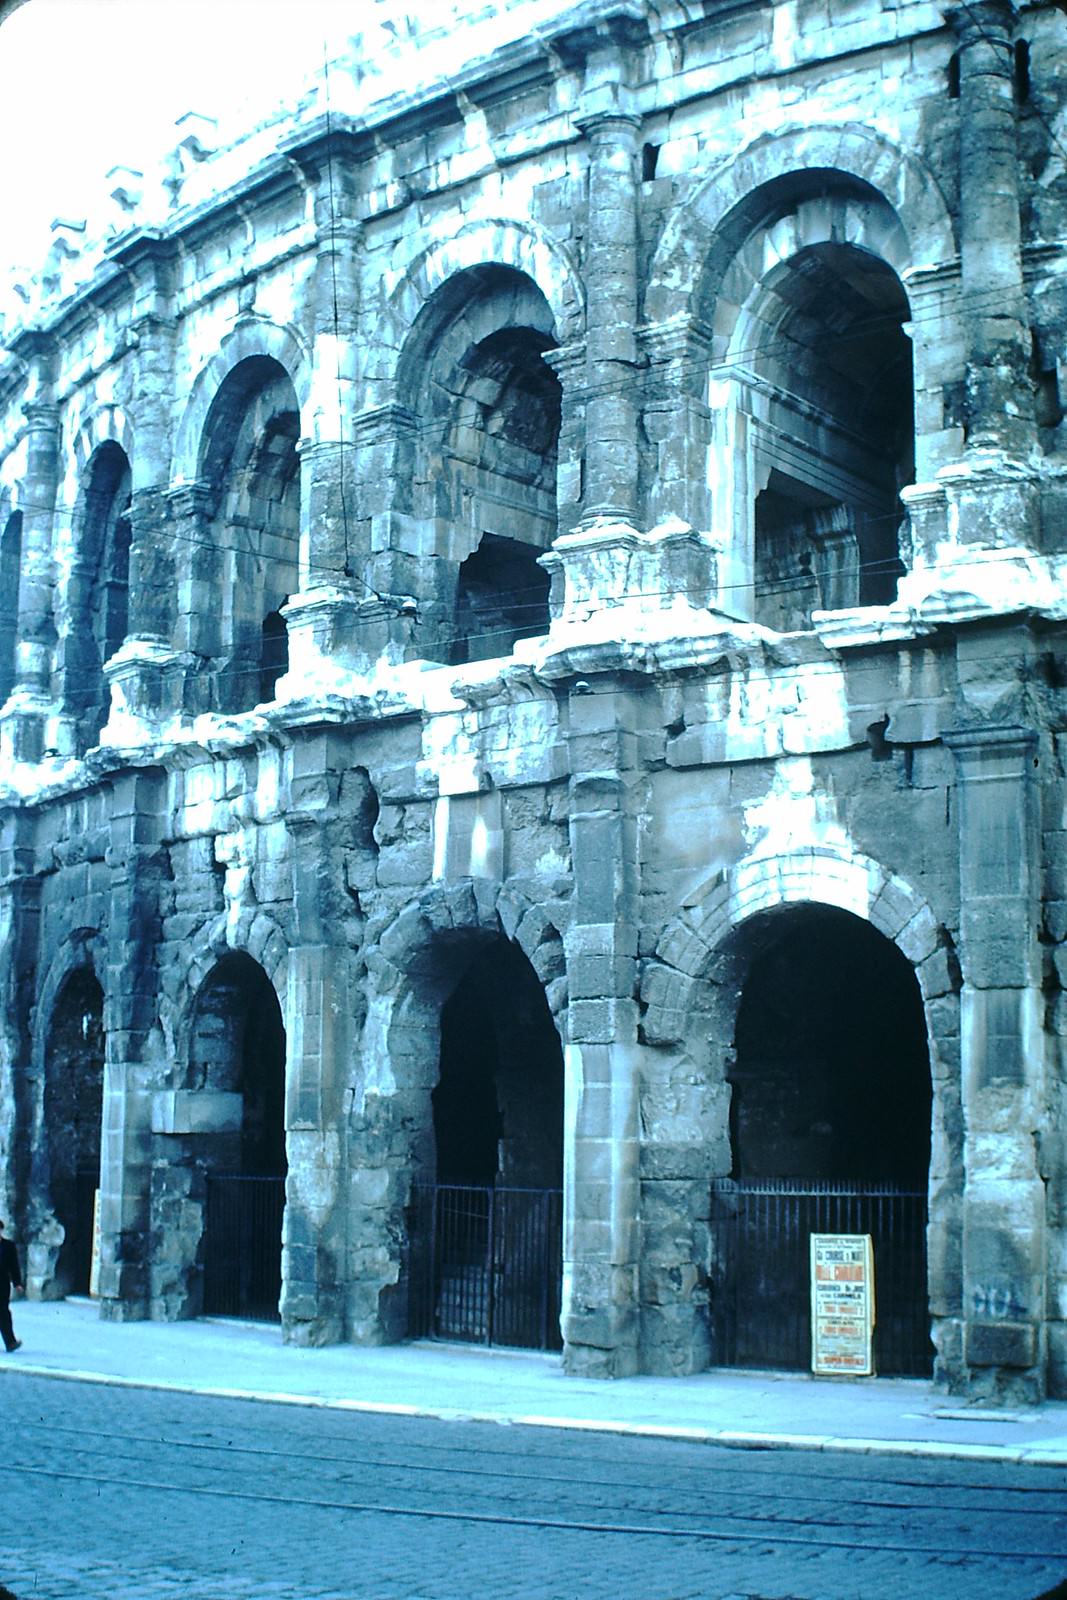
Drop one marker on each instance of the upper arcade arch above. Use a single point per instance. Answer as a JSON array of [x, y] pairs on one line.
[[242, 561], [92, 601], [255, 337], [105, 424], [487, 242], [818, 363], [705, 233], [784, 277], [474, 461]]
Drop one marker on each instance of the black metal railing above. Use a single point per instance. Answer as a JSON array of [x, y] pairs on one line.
[[243, 1246], [760, 1265], [484, 1265]]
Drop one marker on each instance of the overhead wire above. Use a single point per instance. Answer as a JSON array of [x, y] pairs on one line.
[[698, 365]]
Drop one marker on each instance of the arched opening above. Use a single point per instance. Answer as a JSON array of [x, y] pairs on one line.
[[837, 436], [479, 468], [237, 1067], [10, 564], [486, 1234], [73, 1111], [273, 653], [498, 1104], [830, 1131], [97, 591], [246, 566], [501, 597]]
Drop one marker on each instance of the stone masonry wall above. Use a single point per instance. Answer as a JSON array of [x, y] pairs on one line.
[[326, 361]]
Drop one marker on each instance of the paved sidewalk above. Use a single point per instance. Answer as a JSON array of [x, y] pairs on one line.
[[757, 1410]]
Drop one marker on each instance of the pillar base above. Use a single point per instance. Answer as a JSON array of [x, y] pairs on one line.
[[608, 565], [338, 638], [600, 1323], [147, 681], [29, 728]]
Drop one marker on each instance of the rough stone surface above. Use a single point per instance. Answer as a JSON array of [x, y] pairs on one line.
[[656, 558]]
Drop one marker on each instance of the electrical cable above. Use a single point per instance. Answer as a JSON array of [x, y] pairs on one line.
[[785, 448]]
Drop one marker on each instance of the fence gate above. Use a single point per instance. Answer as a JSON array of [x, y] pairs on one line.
[[86, 1183], [484, 1265], [243, 1247], [760, 1288]]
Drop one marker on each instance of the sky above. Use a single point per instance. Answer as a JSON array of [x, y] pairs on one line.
[[86, 85]]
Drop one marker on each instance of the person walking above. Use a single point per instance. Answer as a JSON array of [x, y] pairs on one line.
[[10, 1278]]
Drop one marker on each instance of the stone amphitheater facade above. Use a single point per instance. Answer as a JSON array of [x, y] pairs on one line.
[[532, 654]]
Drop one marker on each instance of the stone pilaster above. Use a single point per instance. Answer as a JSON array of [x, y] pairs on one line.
[[568, 362], [329, 496], [999, 400], [150, 265], [131, 1008], [975, 513], [152, 609], [1003, 1089], [678, 424], [20, 897], [319, 1012], [609, 572], [601, 1146], [611, 404], [198, 576], [26, 724]]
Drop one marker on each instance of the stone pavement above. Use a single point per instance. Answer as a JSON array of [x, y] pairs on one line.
[[66, 1339]]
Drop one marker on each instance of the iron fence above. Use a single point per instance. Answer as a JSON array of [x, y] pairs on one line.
[[760, 1289], [243, 1246], [484, 1265]]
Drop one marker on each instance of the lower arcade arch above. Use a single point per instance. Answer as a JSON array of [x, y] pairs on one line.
[[237, 1070], [830, 1117], [485, 1244], [73, 1111]]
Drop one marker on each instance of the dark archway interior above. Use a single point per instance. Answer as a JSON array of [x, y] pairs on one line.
[[249, 554], [98, 589], [827, 523], [831, 1078], [498, 1104], [480, 461], [273, 654], [830, 1124], [74, 1104], [501, 597], [10, 566], [239, 1047]]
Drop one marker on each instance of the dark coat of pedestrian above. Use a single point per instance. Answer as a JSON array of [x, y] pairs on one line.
[[10, 1278]]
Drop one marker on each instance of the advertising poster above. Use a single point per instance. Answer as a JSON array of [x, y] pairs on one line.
[[842, 1304]]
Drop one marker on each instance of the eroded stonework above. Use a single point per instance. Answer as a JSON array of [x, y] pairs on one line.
[[532, 632]]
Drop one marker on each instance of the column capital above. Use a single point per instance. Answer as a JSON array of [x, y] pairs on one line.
[[381, 422], [192, 498], [679, 338], [978, 21], [600, 121], [567, 361], [973, 746], [41, 416]]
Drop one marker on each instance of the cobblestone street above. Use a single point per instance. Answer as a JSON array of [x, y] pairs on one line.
[[130, 1493]]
